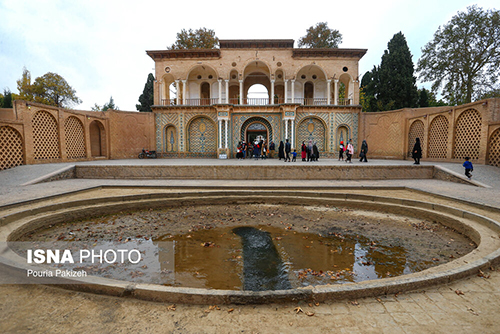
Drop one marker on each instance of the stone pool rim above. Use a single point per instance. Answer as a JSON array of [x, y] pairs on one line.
[[485, 255]]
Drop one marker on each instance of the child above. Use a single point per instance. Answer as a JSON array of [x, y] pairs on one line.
[[294, 156], [468, 167], [341, 151]]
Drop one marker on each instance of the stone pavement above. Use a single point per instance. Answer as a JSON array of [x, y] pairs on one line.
[[470, 305]]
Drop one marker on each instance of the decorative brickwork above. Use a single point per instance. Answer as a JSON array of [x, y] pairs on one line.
[[202, 134], [163, 120], [45, 136], [11, 148], [467, 135], [494, 152], [170, 139], [416, 131], [438, 137], [75, 139], [312, 129]]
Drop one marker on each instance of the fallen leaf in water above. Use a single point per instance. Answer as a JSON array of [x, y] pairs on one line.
[[309, 314], [355, 303], [230, 310], [171, 307], [459, 292], [298, 309]]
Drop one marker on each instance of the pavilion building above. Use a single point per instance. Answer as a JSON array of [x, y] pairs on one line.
[[203, 102]]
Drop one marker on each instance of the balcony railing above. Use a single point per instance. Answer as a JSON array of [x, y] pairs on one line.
[[256, 101]]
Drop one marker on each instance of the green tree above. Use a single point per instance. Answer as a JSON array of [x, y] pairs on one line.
[[107, 106], [24, 86], [320, 36], [6, 99], [464, 56], [51, 89], [423, 98], [110, 105], [201, 38], [369, 86], [146, 98], [397, 83], [490, 94]]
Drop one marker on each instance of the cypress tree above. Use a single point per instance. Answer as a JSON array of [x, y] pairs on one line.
[[397, 86], [146, 98]]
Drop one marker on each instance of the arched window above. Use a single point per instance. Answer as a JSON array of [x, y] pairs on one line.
[[257, 95]]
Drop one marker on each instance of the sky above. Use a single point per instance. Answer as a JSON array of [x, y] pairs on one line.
[[99, 47]]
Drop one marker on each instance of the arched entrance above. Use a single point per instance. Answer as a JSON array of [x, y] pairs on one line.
[[97, 139], [256, 127], [257, 131]]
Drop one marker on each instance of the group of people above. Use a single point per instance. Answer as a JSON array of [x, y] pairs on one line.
[[257, 150], [309, 152], [348, 149]]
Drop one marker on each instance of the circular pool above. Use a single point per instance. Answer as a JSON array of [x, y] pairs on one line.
[[220, 245]]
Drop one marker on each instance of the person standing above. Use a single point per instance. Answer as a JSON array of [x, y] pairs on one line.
[[341, 151], [256, 150], [416, 153], [304, 151], [244, 149], [271, 149], [349, 151], [281, 150], [239, 152], [288, 149], [363, 152], [315, 152], [309, 151]]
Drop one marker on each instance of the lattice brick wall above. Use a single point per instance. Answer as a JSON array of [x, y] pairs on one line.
[[11, 148], [467, 135], [438, 137], [45, 136], [494, 149], [75, 139], [202, 136], [416, 131], [311, 129]]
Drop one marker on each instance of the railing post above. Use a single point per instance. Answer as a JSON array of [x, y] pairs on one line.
[[328, 89]]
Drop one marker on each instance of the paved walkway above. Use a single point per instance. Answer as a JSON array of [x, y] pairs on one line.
[[470, 305]]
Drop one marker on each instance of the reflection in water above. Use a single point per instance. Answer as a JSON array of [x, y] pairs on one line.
[[262, 265], [270, 258], [257, 259]]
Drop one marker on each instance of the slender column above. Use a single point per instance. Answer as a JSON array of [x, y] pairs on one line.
[[286, 129], [241, 91], [293, 91], [178, 97], [220, 91], [225, 122], [292, 139], [227, 91], [272, 92], [336, 91], [328, 91], [160, 92], [220, 133], [286, 91], [184, 92]]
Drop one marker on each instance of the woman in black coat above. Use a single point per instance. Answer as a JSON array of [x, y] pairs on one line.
[[363, 151], [416, 153], [316, 152], [281, 150]]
